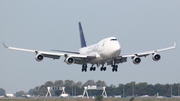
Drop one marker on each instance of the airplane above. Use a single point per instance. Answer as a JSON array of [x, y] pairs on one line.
[[107, 51]]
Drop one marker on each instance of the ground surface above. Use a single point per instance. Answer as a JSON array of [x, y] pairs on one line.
[[119, 99]]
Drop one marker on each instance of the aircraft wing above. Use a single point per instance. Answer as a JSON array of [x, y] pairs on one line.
[[55, 55], [136, 56], [148, 52]]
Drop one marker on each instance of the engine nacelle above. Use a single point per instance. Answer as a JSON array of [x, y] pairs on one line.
[[136, 60], [156, 57], [69, 60], [39, 57]]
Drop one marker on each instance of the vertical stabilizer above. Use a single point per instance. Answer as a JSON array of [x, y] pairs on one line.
[[82, 39]]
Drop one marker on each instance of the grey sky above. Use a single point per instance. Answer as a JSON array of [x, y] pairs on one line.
[[139, 25]]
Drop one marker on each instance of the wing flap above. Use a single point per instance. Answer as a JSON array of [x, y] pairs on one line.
[[89, 56], [51, 56], [118, 60]]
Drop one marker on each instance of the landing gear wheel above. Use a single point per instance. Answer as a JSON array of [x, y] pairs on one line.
[[94, 68], [113, 70], [116, 68], [104, 68], [91, 68], [101, 68]]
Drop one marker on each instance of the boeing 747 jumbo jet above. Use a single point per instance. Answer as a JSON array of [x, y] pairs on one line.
[[106, 51]]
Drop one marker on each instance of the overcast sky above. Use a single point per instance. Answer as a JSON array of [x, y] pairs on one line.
[[139, 25]]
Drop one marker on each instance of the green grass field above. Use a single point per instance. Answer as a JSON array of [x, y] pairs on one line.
[[112, 99]]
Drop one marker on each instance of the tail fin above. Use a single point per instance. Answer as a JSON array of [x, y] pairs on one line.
[[82, 39]]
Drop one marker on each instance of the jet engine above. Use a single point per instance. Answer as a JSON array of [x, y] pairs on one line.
[[136, 60], [156, 57], [69, 60], [39, 57]]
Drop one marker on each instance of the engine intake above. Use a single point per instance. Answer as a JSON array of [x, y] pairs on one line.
[[39, 57], [69, 60], [136, 60], [156, 57]]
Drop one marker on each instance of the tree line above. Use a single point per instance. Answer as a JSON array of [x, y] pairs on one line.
[[129, 89]]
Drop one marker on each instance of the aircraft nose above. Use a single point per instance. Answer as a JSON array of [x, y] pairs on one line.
[[115, 49]]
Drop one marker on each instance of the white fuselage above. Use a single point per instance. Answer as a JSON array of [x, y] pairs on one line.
[[105, 50]]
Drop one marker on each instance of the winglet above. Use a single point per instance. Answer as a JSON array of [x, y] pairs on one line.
[[174, 44], [5, 45], [82, 39]]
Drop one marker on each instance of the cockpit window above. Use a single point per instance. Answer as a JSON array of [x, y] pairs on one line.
[[113, 40]]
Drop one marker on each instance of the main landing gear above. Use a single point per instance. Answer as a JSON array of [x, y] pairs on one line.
[[115, 67], [84, 68], [103, 68], [92, 68]]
